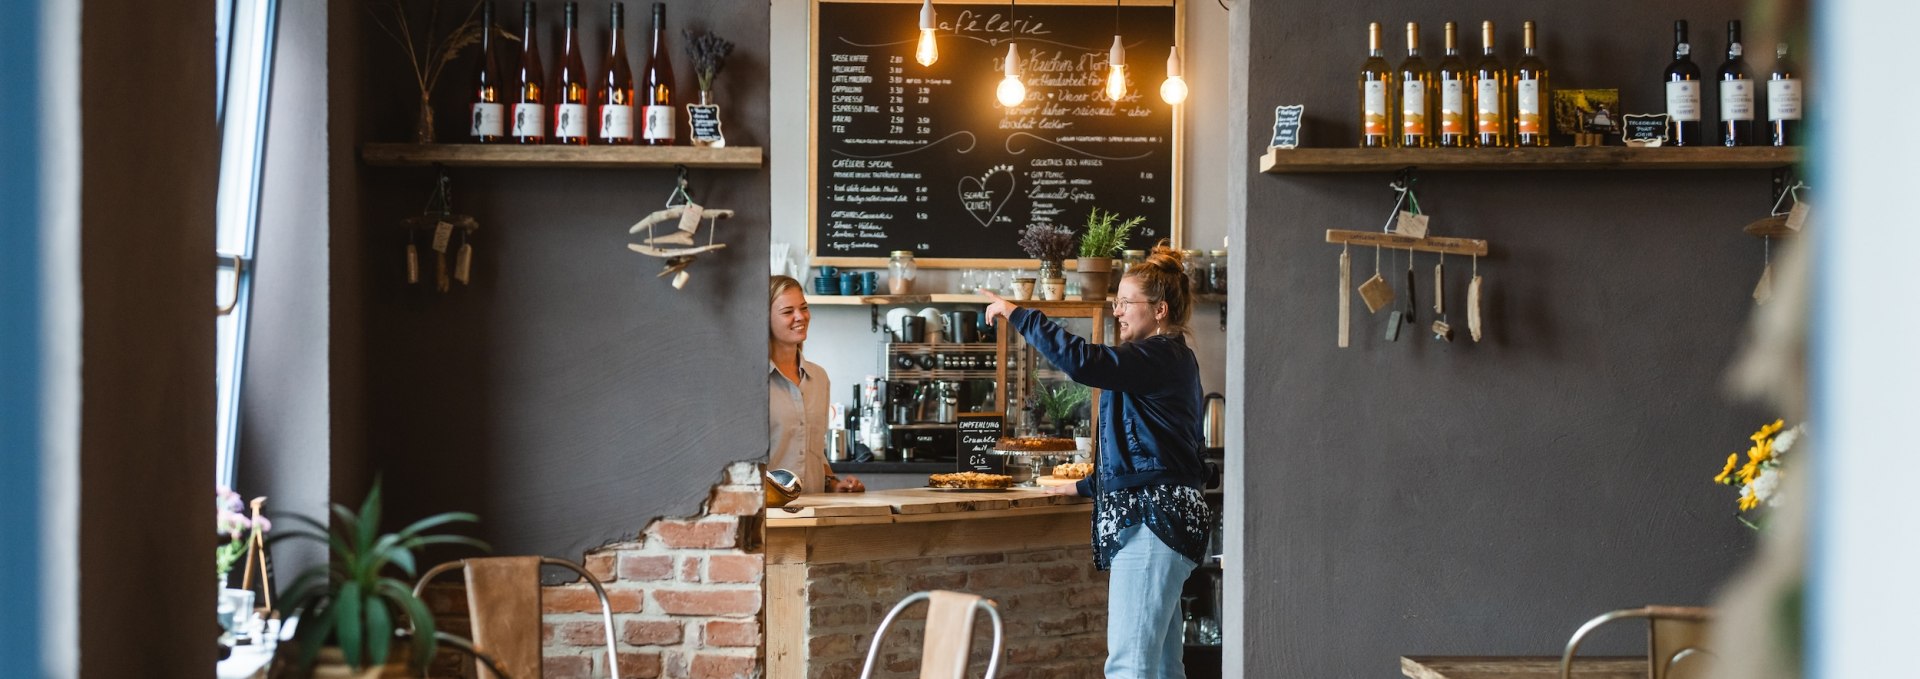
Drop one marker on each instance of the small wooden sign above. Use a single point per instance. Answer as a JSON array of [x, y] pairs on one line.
[[1411, 225], [704, 121], [1644, 129], [1286, 126], [978, 432]]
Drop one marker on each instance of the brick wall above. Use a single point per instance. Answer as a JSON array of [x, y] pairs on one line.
[[1052, 601], [686, 598]]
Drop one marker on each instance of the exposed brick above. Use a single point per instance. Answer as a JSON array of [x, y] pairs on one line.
[[836, 616], [1028, 655], [1041, 556], [831, 644], [639, 665], [714, 666], [1054, 575], [697, 534], [601, 566], [1085, 647], [956, 580], [736, 502], [579, 633], [988, 582], [690, 569], [581, 599], [566, 667], [1089, 596], [644, 566], [651, 633], [741, 633], [1078, 623], [976, 559], [744, 474], [734, 568], [445, 599], [709, 602], [832, 569]]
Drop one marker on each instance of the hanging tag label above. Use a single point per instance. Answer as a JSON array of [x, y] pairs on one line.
[[1346, 296], [1473, 308], [1377, 294], [1411, 225], [441, 233], [1764, 290], [1393, 326], [1442, 331], [463, 264], [1797, 217], [690, 217]]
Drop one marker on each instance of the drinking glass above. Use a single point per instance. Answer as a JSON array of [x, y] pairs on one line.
[[777, 258], [966, 281]]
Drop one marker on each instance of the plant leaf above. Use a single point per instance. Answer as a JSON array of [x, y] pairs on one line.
[[379, 632], [313, 634], [369, 519], [422, 525], [418, 617], [348, 623], [419, 542]]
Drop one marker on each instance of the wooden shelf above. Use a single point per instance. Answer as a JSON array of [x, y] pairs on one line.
[[1303, 161], [515, 155], [945, 298]]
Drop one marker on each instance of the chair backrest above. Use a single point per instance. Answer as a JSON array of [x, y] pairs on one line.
[[947, 641], [1674, 638], [503, 602]]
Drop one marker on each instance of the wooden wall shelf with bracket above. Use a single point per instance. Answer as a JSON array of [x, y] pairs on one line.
[[1323, 160], [516, 155]]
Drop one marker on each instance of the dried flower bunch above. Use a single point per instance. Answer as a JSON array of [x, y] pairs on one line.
[[709, 52], [428, 56], [1047, 243]]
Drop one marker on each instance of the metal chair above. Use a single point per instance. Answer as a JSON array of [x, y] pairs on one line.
[[503, 601], [1673, 635], [948, 640]]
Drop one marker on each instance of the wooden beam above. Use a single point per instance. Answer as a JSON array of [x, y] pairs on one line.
[[1450, 246]]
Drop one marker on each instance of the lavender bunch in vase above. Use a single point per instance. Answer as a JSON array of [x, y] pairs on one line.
[[709, 53], [1052, 245]]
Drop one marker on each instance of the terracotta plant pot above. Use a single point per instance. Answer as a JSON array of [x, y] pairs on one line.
[[1053, 289], [1094, 272]]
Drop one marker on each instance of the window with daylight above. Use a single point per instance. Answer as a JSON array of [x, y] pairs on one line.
[[244, 48]]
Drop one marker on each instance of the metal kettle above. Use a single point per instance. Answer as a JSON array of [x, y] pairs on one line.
[[1216, 421]]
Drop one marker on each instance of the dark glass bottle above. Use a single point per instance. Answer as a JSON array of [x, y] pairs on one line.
[[570, 105], [613, 98], [1736, 93], [656, 77], [1786, 99], [487, 118], [1683, 92], [529, 110]]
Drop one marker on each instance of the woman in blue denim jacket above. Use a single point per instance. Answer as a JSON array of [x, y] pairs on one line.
[[1150, 519]]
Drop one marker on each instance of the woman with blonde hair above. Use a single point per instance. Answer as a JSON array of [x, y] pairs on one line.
[[798, 393], [1150, 518]]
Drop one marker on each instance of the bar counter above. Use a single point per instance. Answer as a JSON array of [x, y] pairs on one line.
[[836, 563]]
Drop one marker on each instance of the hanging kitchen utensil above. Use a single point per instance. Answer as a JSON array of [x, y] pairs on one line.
[[1376, 292], [1346, 294], [1412, 294], [438, 220], [1399, 315], [1473, 302], [1441, 330]]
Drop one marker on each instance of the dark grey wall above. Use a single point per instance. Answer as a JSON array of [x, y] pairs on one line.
[[147, 167], [1461, 499], [568, 396]]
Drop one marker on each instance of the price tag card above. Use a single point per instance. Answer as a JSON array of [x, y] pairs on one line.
[[704, 120], [1644, 129], [1286, 126], [1411, 225], [1797, 217], [441, 233], [978, 433]]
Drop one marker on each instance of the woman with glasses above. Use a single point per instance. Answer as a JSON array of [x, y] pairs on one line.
[[1150, 518]]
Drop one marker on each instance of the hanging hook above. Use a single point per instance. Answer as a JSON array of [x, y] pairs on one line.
[[680, 190], [442, 196]]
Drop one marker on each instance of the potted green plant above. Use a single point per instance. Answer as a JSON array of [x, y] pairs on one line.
[[1105, 236], [1051, 245], [1060, 402], [351, 607]]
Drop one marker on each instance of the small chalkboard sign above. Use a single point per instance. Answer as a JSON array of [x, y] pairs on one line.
[[1286, 126], [978, 433], [704, 120], [1644, 129]]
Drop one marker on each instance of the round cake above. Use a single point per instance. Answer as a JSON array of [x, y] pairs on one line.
[[1072, 470], [1035, 444], [973, 480]]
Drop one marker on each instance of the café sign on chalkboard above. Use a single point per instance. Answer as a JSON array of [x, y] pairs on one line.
[[924, 158]]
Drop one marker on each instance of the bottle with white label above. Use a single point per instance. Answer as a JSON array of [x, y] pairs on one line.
[[570, 104], [613, 98], [1683, 92], [529, 124], [1529, 93], [1456, 96], [487, 118], [1736, 93], [1490, 114], [1417, 93], [1377, 95], [656, 100], [1786, 99]]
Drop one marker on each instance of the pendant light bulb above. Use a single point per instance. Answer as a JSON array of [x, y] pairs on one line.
[[927, 52], [1117, 74], [1011, 91], [1174, 90]]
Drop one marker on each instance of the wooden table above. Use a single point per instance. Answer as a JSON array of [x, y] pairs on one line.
[[1520, 667]]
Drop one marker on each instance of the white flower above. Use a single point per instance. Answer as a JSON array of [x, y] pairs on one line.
[[1766, 485], [1785, 440]]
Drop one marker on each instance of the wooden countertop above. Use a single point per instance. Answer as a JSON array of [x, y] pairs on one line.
[[1521, 667], [917, 504]]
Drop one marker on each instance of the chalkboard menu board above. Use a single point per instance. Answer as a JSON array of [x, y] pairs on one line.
[[924, 158], [978, 432]]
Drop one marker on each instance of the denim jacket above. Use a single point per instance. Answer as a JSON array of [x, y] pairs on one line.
[[1151, 411]]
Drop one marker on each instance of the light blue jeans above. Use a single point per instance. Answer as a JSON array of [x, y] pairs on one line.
[[1144, 630]]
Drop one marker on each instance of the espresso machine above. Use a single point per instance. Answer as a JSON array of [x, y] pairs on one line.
[[927, 385]]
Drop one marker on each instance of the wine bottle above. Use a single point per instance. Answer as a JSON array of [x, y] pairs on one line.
[[487, 116], [1736, 93], [657, 77], [1785, 99], [1376, 94], [1416, 95], [1456, 96], [1683, 92], [570, 107], [1490, 94], [1529, 93], [529, 112], [613, 99]]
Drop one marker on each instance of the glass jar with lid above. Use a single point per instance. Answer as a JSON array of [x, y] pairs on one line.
[[1128, 258], [1217, 272], [1194, 264], [900, 273]]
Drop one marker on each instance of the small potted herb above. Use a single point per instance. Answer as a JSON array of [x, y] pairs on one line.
[[1051, 245], [1105, 236]]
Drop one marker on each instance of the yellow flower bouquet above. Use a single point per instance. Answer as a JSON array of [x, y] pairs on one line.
[[1759, 479]]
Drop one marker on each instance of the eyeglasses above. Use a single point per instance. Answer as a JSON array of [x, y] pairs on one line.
[[1120, 304]]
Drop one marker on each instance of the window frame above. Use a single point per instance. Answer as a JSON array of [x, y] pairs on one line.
[[245, 37]]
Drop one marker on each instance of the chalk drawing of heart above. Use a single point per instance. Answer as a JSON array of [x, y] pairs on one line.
[[985, 196]]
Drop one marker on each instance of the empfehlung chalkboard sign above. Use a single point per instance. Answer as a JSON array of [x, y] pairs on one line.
[[924, 158], [978, 433]]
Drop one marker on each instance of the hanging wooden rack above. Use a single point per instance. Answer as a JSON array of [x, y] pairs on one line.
[[1449, 246]]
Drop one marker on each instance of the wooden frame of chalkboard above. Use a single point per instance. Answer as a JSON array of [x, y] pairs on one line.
[[906, 157]]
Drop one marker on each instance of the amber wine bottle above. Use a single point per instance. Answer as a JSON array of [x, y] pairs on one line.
[[1456, 96], [613, 98], [1376, 94], [1529, 93], [656, 99], [529, 111], [1785, 98], [1416, 95], [1683, 92], [488, 116], [1490, 112], [570, 106]]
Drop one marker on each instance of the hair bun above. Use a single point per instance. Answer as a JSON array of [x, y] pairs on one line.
[[1167, 258]]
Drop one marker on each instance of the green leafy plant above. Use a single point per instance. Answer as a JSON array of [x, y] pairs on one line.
[[352, 601], [1061, 400], [1106, 234]]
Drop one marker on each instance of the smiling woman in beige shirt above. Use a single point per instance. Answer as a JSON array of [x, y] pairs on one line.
[[797, 395]]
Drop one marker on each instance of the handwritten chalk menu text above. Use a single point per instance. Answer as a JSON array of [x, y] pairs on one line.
[[924, 158]]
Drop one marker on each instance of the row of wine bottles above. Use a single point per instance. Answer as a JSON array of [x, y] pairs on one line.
[[569, 112], [1489, 105]]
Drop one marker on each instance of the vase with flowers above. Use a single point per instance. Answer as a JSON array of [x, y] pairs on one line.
[[1051, 245], [237, 531], [1760, 477], [709, 53]]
